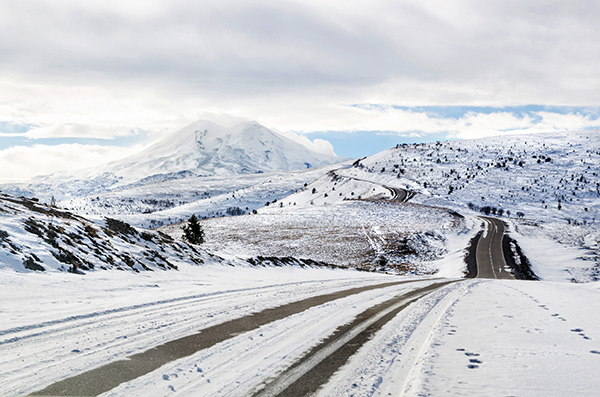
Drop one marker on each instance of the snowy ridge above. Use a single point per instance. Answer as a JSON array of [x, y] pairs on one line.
[[547, 177]]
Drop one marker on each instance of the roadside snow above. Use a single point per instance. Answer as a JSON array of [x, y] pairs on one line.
[[484, 338]]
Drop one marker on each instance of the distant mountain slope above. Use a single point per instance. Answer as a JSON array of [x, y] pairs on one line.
[[200, 149]]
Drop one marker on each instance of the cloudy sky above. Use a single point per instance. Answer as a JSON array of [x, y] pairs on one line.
[[84, 82]]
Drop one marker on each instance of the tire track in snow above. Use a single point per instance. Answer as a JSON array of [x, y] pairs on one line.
[[105, 378], [38, 354], [311, 372]]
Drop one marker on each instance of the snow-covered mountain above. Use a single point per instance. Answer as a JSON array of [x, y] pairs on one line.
[[205, 148], [201, 149]]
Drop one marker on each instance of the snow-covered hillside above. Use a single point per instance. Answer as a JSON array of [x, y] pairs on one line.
[[546, 177], [173, 201], [200, 149], [36, 237], [512, 177], [546, 186]]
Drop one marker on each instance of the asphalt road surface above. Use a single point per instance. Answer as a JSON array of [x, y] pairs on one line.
[[399, 194], [489, 254]]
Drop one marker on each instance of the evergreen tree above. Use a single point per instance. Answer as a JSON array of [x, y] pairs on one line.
[[193, 232]]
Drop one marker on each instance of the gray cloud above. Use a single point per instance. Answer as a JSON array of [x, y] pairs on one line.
[[202, 45], [140, 64]]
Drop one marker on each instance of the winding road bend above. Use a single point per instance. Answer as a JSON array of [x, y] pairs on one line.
[[398, 194], [489, 254]]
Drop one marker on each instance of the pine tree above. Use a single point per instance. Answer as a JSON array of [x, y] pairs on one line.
[[193, 232]]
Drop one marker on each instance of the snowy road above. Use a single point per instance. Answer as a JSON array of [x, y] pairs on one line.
[[398, 194], [489, 254], [307, 375], [466, 337], [63, 326], [161, 323], [105, 378]]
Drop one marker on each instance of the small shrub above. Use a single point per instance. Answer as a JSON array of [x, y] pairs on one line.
[[193, 232], [120, 227]]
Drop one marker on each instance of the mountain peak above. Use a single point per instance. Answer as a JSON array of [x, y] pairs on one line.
[[206, 148]]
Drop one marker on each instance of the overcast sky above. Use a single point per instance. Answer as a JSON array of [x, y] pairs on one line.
[[84, 82]]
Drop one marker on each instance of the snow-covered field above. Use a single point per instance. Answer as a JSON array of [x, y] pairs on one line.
[[408, 238], [58, 324]]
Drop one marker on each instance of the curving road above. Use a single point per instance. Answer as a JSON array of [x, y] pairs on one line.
[[489, 254], [398, 194]]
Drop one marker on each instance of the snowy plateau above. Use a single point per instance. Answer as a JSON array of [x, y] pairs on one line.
[[450, 268]]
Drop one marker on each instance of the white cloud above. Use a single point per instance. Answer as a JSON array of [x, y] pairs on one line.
[[76, 131], [23, 162], [317, 145]]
